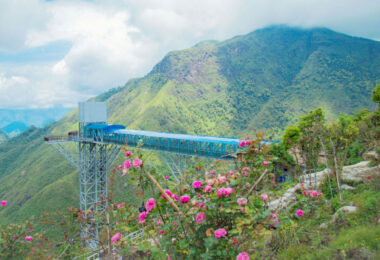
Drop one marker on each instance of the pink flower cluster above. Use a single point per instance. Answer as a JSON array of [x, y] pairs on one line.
[[225, 192], [274, 219], [150, 205], [312, 193], [220, 232], [116, 237], [200, 217]]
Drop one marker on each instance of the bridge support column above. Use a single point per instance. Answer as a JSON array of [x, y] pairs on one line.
[[94, 161]]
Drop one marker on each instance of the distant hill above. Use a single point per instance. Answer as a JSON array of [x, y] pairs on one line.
[[3, 136], [263, 80], [36, 117], [14, 128]]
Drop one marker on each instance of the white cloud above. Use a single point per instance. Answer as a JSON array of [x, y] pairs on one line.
[[112, 41]]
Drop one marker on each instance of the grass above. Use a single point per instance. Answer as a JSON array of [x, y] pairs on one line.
[[354, 236]]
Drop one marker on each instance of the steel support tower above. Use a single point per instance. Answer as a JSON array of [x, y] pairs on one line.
[[92, 160]]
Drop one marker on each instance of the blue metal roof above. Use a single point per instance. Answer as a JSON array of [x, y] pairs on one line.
[[104, 127], [96, 126], [210, 139]]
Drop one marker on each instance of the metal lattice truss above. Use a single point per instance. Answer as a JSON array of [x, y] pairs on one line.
[[93, 162], [175, 162]]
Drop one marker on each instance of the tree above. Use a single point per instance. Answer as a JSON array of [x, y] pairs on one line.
[[376, 94], [291, 137]]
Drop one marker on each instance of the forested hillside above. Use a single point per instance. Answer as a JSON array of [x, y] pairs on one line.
[[262, 80]]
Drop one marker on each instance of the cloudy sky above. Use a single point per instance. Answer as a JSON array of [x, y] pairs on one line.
[[56, 53]]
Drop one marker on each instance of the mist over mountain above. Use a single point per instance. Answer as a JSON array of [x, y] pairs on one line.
[[263, 80], [29, 117]]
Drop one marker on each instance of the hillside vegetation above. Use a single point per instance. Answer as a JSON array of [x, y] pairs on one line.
[[262, 80]]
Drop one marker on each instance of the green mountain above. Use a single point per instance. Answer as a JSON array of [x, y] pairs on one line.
[[262, 80]]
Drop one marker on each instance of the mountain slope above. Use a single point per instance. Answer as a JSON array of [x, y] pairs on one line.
[[3, 136], [262, 80]]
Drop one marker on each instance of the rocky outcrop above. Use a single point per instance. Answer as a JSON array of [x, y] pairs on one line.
[[345, 210], [356, 172], [288, 198]]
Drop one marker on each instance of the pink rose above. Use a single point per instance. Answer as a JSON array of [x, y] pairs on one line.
[[167, 192], [274, 219], [184, 199], [142, 217], [201, 217], [150, 204], [125, 171], [264, 197], [221, 192], [208, 188], [210, 182], [137, 162], [242, 209], [128, 153], [265, 163], [197, 184], [242, 201], [229, 191], [120, 166], [242, 256], [220, 232], [175, 197], [201, 205], [231, 173], [199, 196], [3, 203], [222, 179], [242, 144], [161, 232], [116, 238], [28, 238], [302, 184], [127, 164], [166, 177], [299, 212]]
